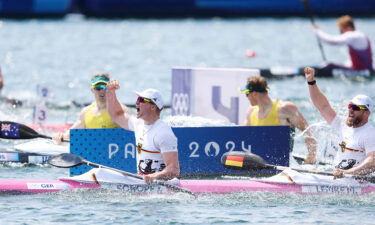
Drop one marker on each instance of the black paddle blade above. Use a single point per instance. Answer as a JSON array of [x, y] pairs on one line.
[[12, 130], [66, 160], [243, 161]]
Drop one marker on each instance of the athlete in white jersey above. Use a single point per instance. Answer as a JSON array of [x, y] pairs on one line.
[[152, 141], [358, 43], [357, 137], [157, 156]]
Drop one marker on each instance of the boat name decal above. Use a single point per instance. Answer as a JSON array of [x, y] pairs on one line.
[[137, 188], [47, 186], [331, 189]]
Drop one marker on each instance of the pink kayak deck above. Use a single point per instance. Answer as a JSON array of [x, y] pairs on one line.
[[41, 186], [229, 186], [196, 186]]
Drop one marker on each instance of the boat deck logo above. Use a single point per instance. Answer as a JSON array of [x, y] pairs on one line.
[[51, 186]]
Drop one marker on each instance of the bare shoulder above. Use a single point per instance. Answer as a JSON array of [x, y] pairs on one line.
[[85, 109], [287, 107]]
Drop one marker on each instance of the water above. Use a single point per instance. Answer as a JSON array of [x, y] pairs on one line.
[[63, 54]]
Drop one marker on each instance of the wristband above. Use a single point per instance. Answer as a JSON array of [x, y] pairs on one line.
[[312, 82]]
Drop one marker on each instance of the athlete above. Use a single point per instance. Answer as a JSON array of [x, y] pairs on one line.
[[157, 155], [359, 44], [94, 115], [264, 111], [1, 81], [357, 137]]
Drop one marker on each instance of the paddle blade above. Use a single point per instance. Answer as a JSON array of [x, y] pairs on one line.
[[65, 160], [12, 130], [243, 161]]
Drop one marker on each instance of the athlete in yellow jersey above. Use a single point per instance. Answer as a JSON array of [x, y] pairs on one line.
[[96, 114], [263, 111], [272, 119], [95, 119]]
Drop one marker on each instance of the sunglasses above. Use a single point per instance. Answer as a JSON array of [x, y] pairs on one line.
[[100, 87], [247, 92], [142, 99], [356, 107]]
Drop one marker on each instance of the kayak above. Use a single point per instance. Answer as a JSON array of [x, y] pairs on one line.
[[42, 146], [288, 181], [23, 157], [37, 151], [284, 72]]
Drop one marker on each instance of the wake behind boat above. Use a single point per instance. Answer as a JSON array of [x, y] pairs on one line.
[[286, 182]]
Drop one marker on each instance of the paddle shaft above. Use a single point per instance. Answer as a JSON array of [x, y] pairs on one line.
[[366, 178], [171, 186], [304, 171], [48, 137], [309, 12]]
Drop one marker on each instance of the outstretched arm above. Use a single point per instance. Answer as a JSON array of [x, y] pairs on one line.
[[1, 80], [318, 98], [79, 124], [117, 111], [331, 39], [295, 118]]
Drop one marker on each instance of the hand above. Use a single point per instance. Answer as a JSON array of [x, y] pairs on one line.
[[149, 178], [338, 173], [310, 159], [309, 74], [58, 138], [113, 85]]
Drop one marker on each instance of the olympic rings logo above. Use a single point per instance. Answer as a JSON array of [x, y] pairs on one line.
[[180, 103]]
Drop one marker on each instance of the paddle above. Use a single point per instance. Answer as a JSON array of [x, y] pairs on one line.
[[248, 161], [310, 14], [301, 160], [67, 160], [13, 130], [13, 102]]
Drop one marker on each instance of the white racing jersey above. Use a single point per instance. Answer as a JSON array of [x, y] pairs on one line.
[[354, 143], [359, 47], [151, 141]]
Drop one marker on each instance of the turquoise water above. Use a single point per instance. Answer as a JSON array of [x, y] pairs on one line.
[[63, 54]]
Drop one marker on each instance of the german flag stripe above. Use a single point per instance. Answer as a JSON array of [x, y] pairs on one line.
[[353, 150], [233, 163], [143, 150], [235, 158]]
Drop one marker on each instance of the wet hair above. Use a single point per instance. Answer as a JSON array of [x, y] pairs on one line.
[[257, 84], [345, 21]]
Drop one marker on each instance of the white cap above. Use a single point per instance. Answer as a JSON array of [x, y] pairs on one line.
[[363, 100], [154, 95]]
